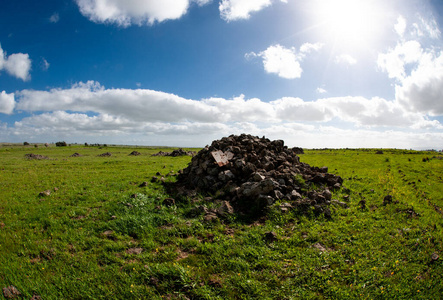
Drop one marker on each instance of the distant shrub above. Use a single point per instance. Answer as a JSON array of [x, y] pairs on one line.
[[86, 145], [25, 144], [61, 144]]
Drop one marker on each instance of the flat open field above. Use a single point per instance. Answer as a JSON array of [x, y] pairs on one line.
[[98, 234]]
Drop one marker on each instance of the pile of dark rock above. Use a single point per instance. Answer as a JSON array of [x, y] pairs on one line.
[[35, 156], [134, 153], [251, 173], [106, 154], [175, 153]]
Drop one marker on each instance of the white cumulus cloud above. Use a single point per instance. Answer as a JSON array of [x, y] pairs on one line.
[[92, 112], [395, 61], [202, 2], [17, 64], [141, 106], [136, 104], [418, 70], [231, 10], [128, 12], [400, 26], [282, 61], [285, 62], [422, 90], [140, 12], [7, 103]]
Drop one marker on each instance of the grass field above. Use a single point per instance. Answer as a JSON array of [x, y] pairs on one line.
[[99, 235]]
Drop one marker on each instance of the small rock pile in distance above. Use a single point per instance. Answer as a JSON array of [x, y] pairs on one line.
[[35, 156], [251, 173], [106, 154], [175, 153]]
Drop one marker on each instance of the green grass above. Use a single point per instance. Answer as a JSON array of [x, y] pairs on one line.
[[101, 236]]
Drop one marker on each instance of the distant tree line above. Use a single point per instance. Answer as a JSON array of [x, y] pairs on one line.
[[96, 145]]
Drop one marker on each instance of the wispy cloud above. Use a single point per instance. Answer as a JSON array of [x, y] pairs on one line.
[[345, 59], [44, 64], [54, 18], [320, 90], [426, 27]]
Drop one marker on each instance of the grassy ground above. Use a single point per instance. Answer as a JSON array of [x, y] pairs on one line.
[[98, 235]]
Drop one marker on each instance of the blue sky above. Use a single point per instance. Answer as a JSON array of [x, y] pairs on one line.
[[317, 73]]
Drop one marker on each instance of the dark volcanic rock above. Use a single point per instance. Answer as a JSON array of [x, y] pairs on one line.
[[35, 156], [387, 200], [251, 173], [106, 154], [175, 153]]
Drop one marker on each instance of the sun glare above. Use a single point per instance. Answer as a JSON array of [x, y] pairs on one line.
[[351, 23]]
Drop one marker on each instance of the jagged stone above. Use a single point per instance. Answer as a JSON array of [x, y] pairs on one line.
[[339, 203], [11, 292], [210, 217], [169, 202], [225, 209], [45, 193], [285, 207], [226, 175]]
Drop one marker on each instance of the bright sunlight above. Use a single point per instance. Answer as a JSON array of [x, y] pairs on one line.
[[351, 23]]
